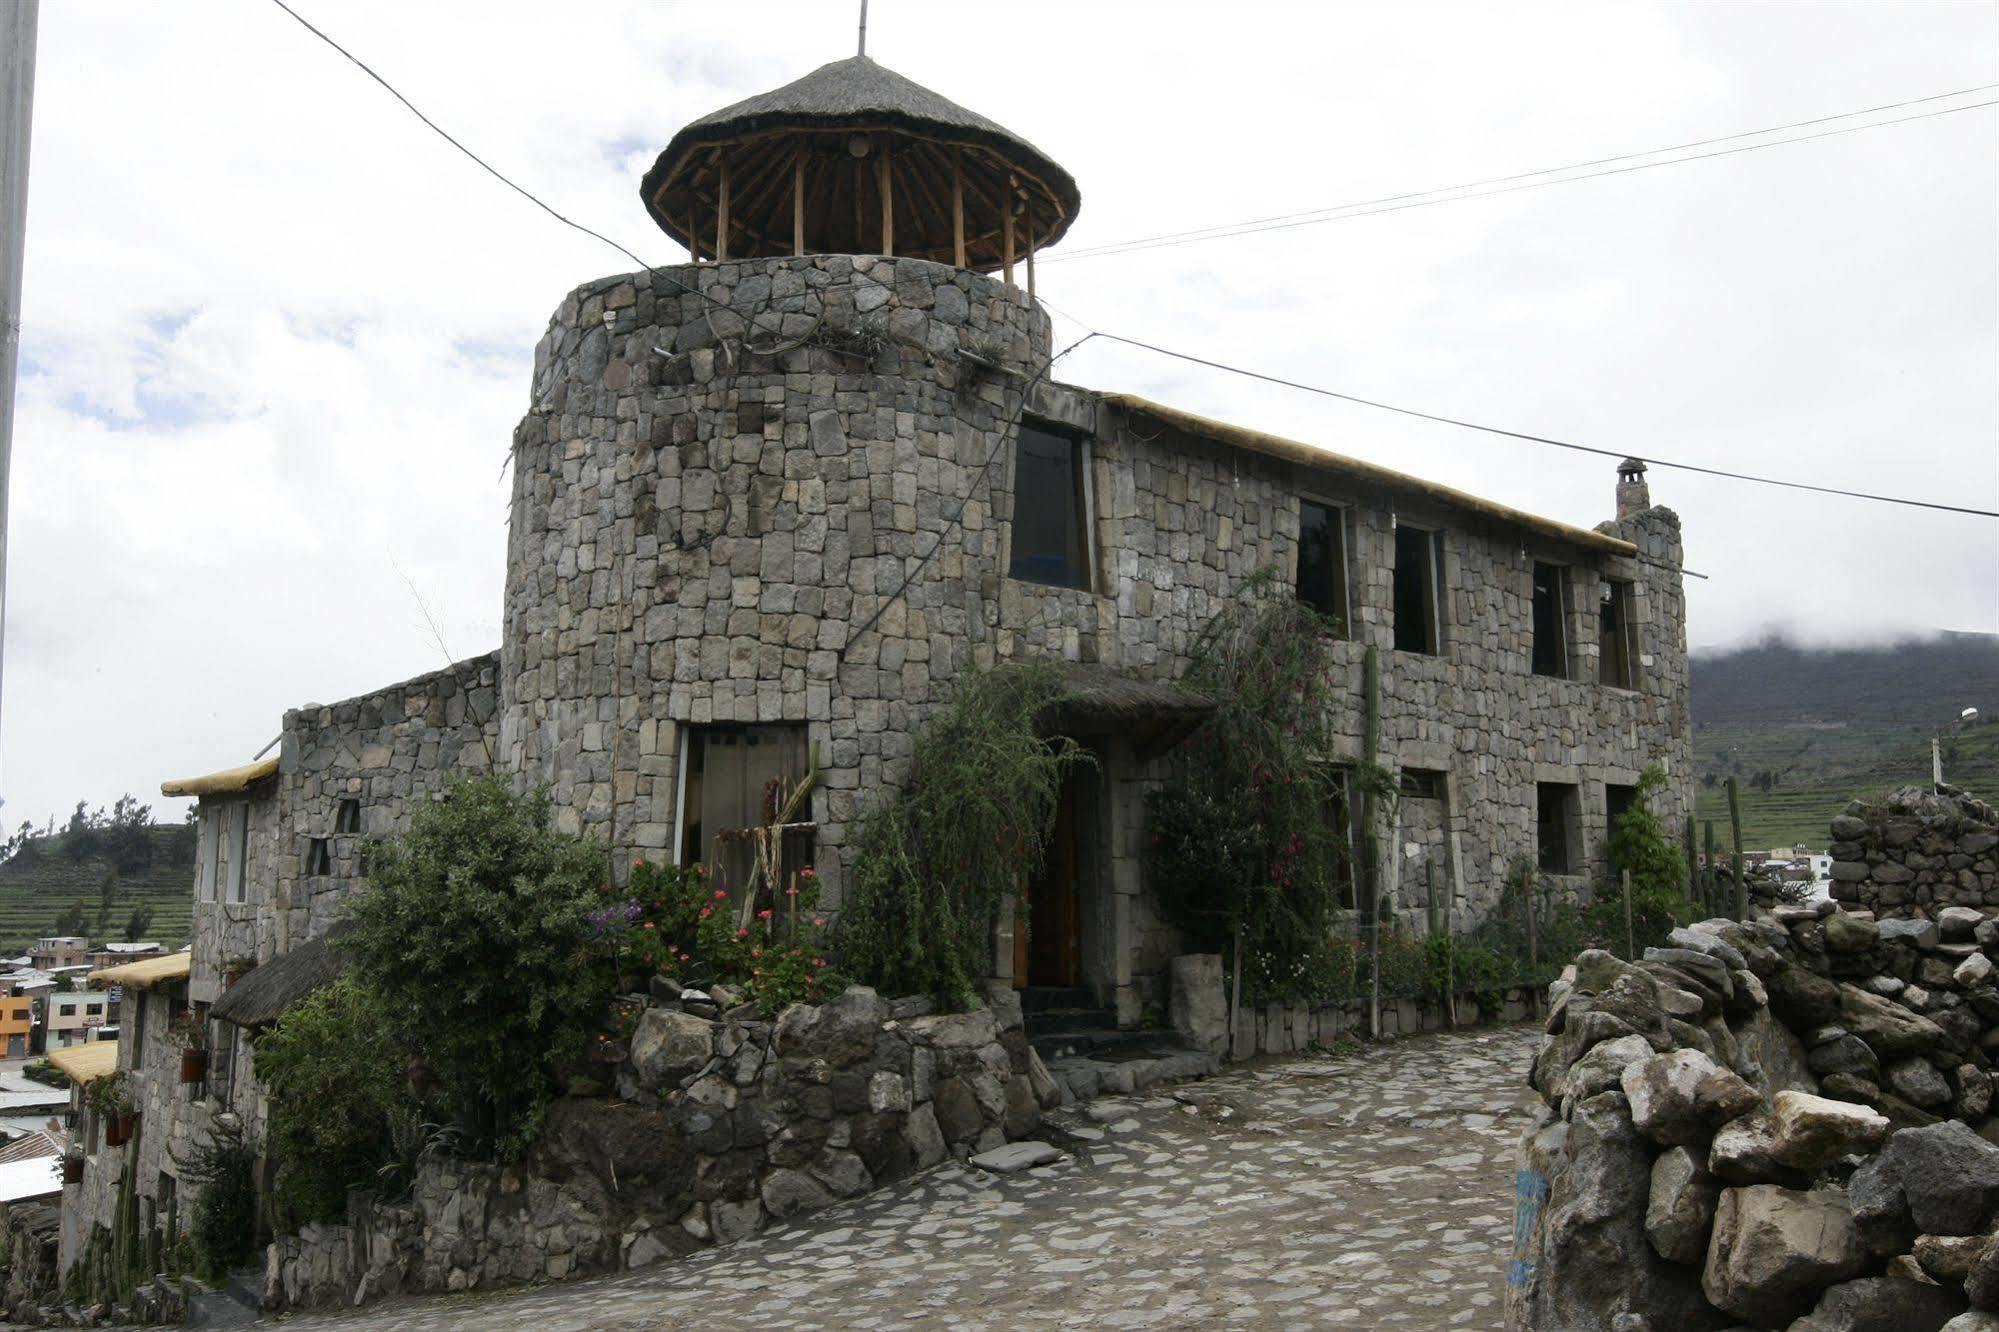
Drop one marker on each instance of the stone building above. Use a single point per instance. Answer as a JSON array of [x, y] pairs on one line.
[[772, 504]]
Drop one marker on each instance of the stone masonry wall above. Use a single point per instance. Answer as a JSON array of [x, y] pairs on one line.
[[1916, 851], [1785, 1123], [720, 1124]]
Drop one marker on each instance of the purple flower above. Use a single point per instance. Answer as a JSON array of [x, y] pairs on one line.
[[609, 922]]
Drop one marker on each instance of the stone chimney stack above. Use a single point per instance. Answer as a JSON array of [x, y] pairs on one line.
[[1633, 495]]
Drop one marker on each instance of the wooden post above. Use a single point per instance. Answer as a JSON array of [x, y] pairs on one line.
[[1430, 896], [958, 206], [1533, 949], [1451, 960], [722, 210], [798, 203], [1030, 247], [1708, 876], [1006, 230], [1693, 868], [693, 239], [1630, 939], [1235, 994], [1735, 836], [885, 186]]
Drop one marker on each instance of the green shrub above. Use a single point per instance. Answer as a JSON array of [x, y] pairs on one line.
[[933, 863], [1639, 843], [338, 1092], [472, 936], [224, 1221]]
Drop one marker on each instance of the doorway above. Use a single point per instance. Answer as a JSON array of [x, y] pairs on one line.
[[1049, 952]]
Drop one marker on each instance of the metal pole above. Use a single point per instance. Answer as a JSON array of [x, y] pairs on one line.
[[17, 103], [1693, 869]]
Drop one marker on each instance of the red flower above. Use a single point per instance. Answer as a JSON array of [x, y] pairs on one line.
[[808, 873], [764, 914], [742, 933], [721, 895]]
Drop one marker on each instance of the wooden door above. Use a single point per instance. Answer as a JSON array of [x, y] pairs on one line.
[[1055, 940]]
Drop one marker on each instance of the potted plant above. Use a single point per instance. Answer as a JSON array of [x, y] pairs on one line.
[[112, 1097], [189, 1030], [72, 1167]]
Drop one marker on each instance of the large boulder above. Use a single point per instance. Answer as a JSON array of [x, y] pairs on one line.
[[1918, 1082], [1774, 1249], [1684, 1096], [1882, 1304], [1198, 1003], [669, 1047], [1890, 1030], [1809, 1131], [1804, 999], [1594, 1263], [1939, 1180], [1680, 1208]]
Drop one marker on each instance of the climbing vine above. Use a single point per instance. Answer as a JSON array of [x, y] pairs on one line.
[[1242, 837], [934, 862]]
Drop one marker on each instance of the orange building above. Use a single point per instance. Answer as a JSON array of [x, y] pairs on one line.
[[17, 1021]]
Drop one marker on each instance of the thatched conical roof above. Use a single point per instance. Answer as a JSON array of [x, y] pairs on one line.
[[821, 129]]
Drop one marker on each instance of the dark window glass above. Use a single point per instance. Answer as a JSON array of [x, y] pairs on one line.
[[1322, 560], [1614, 636], [1554, 806], [1048, 517], [1415, 590], [1420, 784], [1550, 626]]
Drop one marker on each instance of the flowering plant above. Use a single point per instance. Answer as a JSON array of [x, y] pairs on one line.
[[188, 1029], [788, 960]]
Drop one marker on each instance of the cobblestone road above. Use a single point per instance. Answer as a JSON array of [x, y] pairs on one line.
[[1373, 1191]]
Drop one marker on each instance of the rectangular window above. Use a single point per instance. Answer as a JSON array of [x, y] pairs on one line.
[[1551, 620], [1420, 784], [66, 1010], [318, 857], [138, 1025], [239, 850], [1615, 659], [1322, 560], [1416, 566], [1051, 542], [211, 846], [734, 777], [93, 1010], [1617, 802], [347, 818], [1557, 809]]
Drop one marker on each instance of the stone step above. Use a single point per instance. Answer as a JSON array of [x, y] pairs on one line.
[[1039, 998], [1133, 1068], [234, 1305], [1098, 1040]]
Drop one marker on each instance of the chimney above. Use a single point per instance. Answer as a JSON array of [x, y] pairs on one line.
[[1633, 495]]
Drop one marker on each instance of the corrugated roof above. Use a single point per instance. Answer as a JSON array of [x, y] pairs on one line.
[[87, 1062], [1325, 460], [147, 973], [226, 782]]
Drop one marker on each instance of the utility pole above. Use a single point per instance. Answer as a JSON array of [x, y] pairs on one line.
[[17, 102]]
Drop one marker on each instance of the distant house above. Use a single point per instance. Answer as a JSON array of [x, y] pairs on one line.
[[17, 1019], [59, 950], [113, 954], [75, 1015]]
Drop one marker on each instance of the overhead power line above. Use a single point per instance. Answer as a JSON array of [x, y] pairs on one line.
[[1542, 439], [1239, 370], [1524, 180]]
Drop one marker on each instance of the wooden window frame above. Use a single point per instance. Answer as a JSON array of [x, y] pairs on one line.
[[1621, 593], [1341, 515], [1560, 578], [1433, 589]]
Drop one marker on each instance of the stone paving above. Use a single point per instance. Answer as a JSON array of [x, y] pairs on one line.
[[1369, 1191]]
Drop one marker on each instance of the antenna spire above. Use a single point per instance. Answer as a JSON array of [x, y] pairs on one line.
[[864, 27]]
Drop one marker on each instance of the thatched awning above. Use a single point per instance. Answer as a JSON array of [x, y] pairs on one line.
[[1367, 473], [87, 1062], [145, 974], [1155, 714], [807, 168], [227, 782], [268, 991]]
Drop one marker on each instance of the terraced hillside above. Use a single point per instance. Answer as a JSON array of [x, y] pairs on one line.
[[1805, 731], [49, 874]]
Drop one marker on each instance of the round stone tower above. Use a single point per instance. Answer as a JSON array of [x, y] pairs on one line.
[[754, 497]]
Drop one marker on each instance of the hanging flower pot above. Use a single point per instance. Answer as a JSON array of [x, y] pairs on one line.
[[72, 1169], [193, 1065], [117, 1128]]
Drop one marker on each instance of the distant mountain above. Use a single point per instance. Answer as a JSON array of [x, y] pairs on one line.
[[152, 865], [1804, 730]]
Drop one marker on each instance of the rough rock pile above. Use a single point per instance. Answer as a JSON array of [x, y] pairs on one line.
[[1779, 1124], [720, 1123], [1917, 850]]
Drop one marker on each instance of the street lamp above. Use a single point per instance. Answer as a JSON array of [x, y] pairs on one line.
[[1936, 743]]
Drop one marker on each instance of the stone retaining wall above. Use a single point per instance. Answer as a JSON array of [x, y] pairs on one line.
[[720, 1124], [1784, 1123], [1915, 851]]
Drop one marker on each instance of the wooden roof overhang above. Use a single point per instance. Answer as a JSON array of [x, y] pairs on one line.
[[855, 159]]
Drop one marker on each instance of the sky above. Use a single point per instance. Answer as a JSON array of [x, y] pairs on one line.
[[276, 335]]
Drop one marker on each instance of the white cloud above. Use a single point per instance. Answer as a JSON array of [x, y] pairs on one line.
[[278, 335]]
